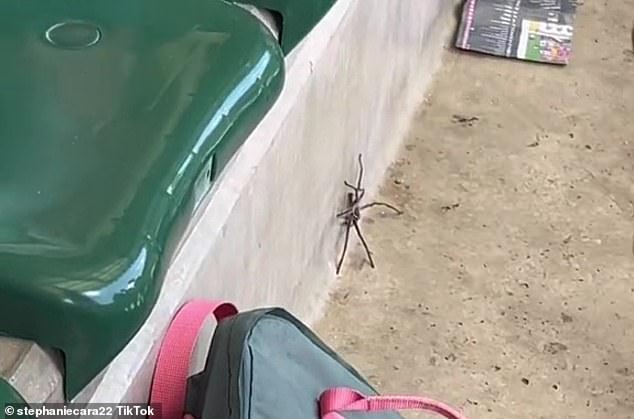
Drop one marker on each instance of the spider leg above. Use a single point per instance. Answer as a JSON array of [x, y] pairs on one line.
[[351, 186], [345, 245], [358, 192], [381, 204], [360, 178], [361, 195], [345, 212], [363, 242]]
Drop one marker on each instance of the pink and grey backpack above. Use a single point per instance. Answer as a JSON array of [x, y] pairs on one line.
[[265, 364]]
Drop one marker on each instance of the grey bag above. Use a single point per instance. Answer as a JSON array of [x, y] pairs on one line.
[[265, 364]]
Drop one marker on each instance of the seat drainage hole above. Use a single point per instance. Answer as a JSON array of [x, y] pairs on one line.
[[73, 34]]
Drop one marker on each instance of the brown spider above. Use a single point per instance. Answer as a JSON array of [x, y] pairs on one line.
[[352, 215]]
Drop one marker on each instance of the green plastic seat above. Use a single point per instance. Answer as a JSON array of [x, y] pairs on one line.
[[11, 401], [115, 118]]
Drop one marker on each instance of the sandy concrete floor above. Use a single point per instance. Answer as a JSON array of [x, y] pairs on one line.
[[507, 287]]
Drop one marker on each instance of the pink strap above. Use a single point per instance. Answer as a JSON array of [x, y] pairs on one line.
[[172, 366], [337, 400]]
